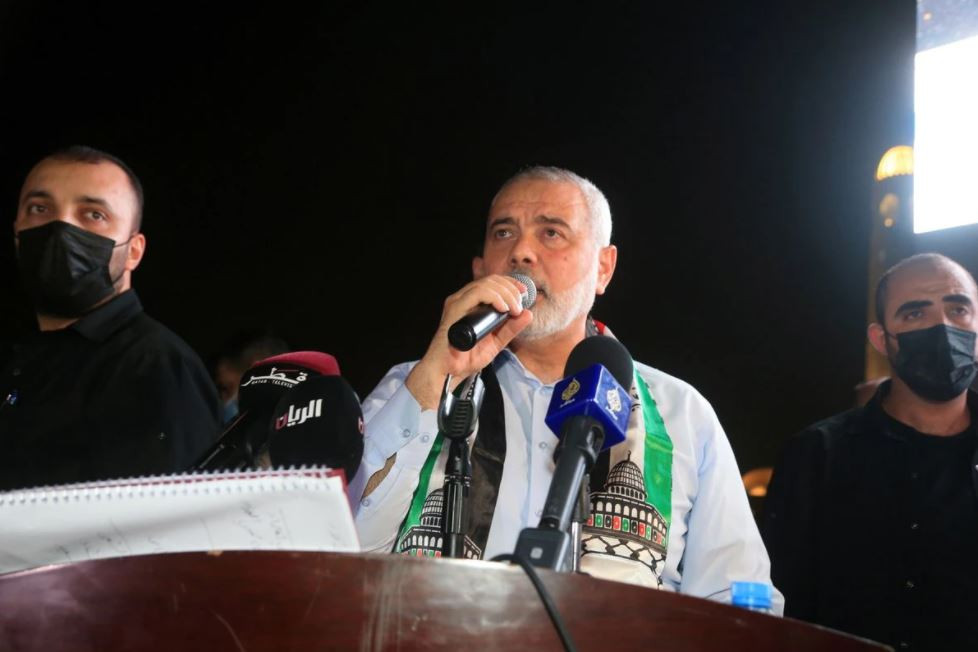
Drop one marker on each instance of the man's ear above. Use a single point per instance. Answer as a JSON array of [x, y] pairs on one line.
[[137, 247], [478, 267], [877, 337], [607, 260]]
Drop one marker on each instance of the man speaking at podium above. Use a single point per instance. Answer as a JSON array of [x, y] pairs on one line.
[[102, 390], [677, 514]]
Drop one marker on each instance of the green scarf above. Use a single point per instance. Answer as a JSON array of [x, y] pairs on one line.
[[631, 492]]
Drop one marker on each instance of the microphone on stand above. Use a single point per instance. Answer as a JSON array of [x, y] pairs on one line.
[[589, 412], [318, 423], [261, 387], [458, 414]]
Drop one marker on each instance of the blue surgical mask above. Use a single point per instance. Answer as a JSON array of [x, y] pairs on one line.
[[229, 410]]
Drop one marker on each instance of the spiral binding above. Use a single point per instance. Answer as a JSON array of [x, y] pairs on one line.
[[282, 478]]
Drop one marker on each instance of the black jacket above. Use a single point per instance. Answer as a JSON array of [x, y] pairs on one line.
[[115, 394], [872, 529]]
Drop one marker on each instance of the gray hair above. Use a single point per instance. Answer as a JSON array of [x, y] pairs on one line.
[[599, 212]]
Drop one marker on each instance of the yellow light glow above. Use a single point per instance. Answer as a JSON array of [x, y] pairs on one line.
[[889, 209], [896, 162], [757, 480]]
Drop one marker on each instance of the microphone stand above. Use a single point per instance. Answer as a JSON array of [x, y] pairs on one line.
[[556, 543], [458, 414], [229, 452], [582, 511]]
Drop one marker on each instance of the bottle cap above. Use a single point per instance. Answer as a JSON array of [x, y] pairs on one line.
[[753, 595]]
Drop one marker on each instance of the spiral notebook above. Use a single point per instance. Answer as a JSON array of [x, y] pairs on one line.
[[284, 509]]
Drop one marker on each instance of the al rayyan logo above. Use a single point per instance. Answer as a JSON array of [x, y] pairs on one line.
[[295, 417]]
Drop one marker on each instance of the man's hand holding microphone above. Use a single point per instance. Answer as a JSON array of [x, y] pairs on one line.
[[485, 315]]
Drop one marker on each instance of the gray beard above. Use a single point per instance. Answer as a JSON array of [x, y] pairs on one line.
[[558, 311]]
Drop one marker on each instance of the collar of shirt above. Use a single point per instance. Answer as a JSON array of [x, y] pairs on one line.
[[507, 363], [100, 323], [876, 420]]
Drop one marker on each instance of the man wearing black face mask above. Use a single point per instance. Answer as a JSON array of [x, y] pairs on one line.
[[871, 519], [102, 390]]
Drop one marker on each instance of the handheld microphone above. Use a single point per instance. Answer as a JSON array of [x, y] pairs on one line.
[[260, 389], [589, 412], [318, 422], [467, 331]]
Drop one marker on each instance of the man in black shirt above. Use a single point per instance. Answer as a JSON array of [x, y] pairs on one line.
[[871, 519], [102, 390]]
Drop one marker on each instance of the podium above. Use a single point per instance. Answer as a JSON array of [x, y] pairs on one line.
[[279, 601]]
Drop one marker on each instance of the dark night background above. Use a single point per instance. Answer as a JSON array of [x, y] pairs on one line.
[[324, 171]]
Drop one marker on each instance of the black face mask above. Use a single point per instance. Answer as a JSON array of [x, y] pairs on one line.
[[65, 269], [937, 363]]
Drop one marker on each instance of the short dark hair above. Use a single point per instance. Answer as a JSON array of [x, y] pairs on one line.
[[246, 347], [85, 154], [882, 287]]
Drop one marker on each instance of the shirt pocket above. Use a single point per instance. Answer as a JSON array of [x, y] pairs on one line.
[[382, 512]]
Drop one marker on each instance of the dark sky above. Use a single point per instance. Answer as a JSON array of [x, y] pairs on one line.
[[325, 172]]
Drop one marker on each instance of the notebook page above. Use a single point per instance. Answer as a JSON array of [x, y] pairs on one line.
[[295, 509]]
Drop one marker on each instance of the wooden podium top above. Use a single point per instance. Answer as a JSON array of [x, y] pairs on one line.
[[329, 601]]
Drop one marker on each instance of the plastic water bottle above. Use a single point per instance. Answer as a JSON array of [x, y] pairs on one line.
[[755, 596]]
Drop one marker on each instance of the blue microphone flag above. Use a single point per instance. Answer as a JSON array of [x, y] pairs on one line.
[[592, 392]]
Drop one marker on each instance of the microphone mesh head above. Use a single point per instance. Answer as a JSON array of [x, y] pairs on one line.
[[531, 288], [605, 351]]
